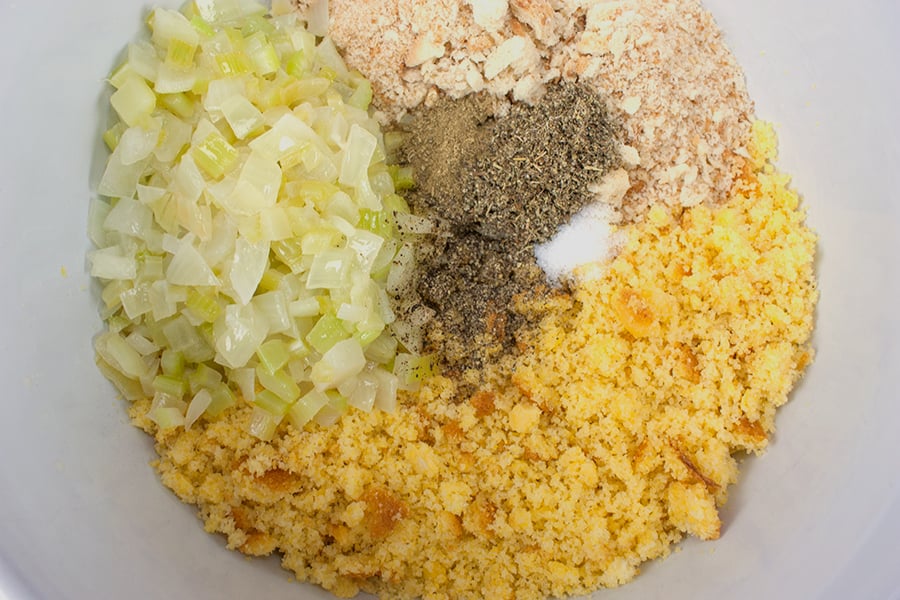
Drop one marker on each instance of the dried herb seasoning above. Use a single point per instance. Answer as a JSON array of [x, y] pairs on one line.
[[496, 187]]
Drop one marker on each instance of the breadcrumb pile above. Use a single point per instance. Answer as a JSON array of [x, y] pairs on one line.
[[615, 436], [662, 65]]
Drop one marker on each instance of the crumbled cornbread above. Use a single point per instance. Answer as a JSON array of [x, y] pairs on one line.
[[614, 438]]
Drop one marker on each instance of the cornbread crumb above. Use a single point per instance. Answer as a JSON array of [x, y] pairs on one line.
[[524, 418], [693, 510], [614, 438]]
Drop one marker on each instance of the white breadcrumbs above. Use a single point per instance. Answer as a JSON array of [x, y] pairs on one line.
[[663, 67]]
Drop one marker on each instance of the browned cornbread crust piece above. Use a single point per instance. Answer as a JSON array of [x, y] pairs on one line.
[[615, 436]]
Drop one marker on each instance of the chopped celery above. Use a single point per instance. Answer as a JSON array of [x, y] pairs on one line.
[[203, 377], [180, 104], [222, 399], [279, 383], [393, 141], [272, 403], [249, 229], [203, 305], [262, 54], [167, 417], [215, 155], [403, 177], [383, 349], [271, 279], [411, 370], [273, 355], [327, 331], [117, 323], [362, 96], [168, 384], [181, 54], [202, 27], [256, 23], [233, 64], [303, 411], [379, 222], [172, 363], [367, 336], [305, 89]]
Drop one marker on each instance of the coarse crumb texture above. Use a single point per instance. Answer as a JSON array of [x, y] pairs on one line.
[[662, 65], [615, 437]]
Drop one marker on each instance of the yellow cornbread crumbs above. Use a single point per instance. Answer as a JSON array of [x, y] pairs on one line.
[[614, 438]]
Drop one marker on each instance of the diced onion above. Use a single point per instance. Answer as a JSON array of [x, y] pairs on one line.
[[342, 361], [247, 267], [197, 407], [249, 234]]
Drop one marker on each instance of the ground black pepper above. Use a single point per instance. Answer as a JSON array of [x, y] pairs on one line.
[[496, 187]]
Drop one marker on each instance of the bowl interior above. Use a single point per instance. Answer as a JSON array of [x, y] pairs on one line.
[[84, 515]]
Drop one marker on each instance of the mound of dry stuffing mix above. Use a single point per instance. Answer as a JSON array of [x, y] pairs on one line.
[[610, 437], [662, 65]]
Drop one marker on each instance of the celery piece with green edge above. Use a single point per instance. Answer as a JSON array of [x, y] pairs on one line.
[[215, 155], [303, 411], [402, 177], [327, 331], [272, 403], [273, 355], [279, 383], [203, 306], [172, 363], [203, 377], [222, 399], [180, 54], [379, 222], [167, 417], [171, 385], [179, 103]]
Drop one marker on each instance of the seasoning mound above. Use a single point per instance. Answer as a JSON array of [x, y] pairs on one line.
[[614, 437], [500, 185]]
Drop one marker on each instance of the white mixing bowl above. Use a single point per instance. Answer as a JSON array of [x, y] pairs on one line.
[[83, 516]]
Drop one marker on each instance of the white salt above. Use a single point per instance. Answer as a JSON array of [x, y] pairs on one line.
[[588, 239]]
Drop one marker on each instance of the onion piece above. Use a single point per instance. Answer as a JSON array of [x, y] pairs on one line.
[[197, 407]]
